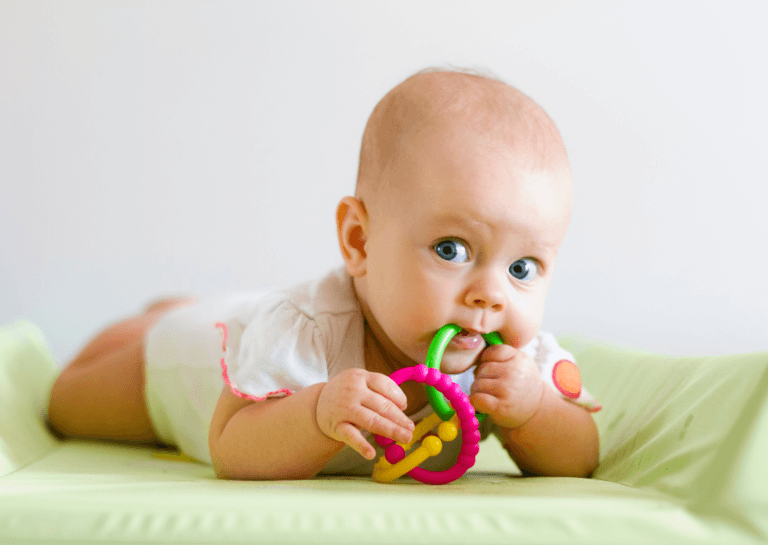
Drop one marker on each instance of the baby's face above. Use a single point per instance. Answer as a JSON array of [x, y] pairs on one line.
[[466, 237]]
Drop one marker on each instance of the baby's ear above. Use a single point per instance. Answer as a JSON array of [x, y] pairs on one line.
[[352, 229]]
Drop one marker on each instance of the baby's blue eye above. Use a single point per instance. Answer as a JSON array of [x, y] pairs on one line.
[[524, 269], [452, 250]]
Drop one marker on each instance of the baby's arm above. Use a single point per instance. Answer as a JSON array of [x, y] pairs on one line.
[[295, 436], [544, 433]]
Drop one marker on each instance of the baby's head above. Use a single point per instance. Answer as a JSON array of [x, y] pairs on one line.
[[463, 198]]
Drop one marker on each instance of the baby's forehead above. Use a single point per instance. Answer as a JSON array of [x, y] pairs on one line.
[[437, 115]]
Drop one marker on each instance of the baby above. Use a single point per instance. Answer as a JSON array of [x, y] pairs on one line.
[[463, 198]]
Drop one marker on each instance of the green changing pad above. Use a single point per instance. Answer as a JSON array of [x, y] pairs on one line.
[[681, 462]]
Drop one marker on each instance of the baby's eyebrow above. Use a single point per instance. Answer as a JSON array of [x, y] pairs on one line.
[[486, 226], [450, 218]]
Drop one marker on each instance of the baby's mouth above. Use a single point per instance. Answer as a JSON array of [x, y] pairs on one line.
[[467, 340]]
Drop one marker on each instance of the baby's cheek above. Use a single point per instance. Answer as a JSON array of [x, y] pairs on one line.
[[414, 311], [431, 305], [524, 326], [516, 336]]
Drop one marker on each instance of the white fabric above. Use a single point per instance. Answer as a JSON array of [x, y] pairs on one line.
[[275, 344], [293, 339], [275, 341], [182, 354], [546, 353]]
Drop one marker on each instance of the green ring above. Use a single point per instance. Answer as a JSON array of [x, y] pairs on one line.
[[435, 355]]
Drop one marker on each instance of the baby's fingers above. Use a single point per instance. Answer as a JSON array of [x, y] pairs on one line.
[[382, 384], [498, 352], [490, 386], [485, 395], [383, 418], [349, 434], [365, 418], [484, 403]]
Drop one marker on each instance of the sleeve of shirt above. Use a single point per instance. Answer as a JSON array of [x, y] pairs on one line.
[[559, 370], [274, 352]]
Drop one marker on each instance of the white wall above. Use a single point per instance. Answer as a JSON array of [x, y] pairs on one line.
[[149, 148]]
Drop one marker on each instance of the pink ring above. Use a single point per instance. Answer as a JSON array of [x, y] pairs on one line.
[[470, 434]]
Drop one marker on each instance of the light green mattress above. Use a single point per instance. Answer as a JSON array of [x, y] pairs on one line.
[[682, 461]]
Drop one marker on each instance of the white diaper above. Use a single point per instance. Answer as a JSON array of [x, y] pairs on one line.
[[183, 353]]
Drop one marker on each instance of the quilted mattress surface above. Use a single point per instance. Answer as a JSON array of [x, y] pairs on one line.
[[683, 443]]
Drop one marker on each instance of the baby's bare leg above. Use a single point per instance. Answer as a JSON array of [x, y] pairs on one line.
[[100, 394]]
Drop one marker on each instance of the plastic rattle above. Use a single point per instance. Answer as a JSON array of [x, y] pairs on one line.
[[440, 390], [434, 357]]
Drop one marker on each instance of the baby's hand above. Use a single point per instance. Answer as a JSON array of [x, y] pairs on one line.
[[507, 386], [356, 399]]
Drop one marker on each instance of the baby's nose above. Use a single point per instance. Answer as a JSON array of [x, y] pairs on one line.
[[488, 302], [486, 295]]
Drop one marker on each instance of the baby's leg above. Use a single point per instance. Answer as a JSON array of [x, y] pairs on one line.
[[100, 394]]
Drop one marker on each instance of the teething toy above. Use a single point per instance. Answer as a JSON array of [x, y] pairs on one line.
[[435, 355], [440, 390]]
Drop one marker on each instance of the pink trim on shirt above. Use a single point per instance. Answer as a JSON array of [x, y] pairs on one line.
[[224, 334], [225, 373]]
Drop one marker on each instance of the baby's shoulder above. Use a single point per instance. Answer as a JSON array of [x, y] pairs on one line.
[[323, 313], [321, 302], [330, 295]]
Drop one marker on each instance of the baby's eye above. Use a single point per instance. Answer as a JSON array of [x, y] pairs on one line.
[[524, 269], [452, 250]]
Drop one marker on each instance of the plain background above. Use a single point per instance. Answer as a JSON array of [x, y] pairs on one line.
[[153, 148]]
